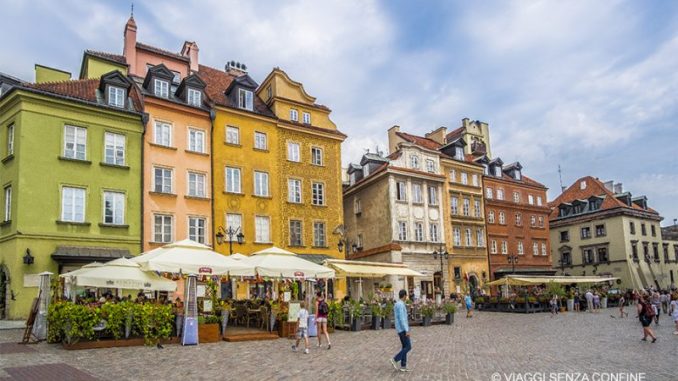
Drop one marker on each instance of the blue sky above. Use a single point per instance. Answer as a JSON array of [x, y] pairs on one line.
[[587, 85]]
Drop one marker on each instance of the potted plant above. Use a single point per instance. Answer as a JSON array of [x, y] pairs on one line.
[[377, 314], [427, 310], [450, 309], [208, 328], [387, 313], [356, 313], [570, 300]]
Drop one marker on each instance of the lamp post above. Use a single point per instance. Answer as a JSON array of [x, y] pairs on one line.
[[512, 259], [441, 253], [344, 242], [230, 232]]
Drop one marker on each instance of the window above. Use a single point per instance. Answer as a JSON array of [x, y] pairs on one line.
[[500, 194], [539, 201], [634, 250], [162, 228], [262, 227], [432, 196], [476, 208], [521, 249], [10, 139], [566, 258], [600, 230], [8, 203], [602, 254], [453, 175], [433, 232], [666, 253], [480, 237], [417, 197], [565, 236], [163, 180], [457, 236], [307, 118], [161, 88], [260, 141], [516, 197], [73, 204], [502, 218], [519, 219], [294, 190], [588, 256], [294, 115], [530, 199], [543, 249], [269, 92], [293, 153], [454, 205], [245, 99], [459, 153], [504, 248], [642, 229], [402, 230], [474, 180], [176, 76], [632, 227], [316, 156], [194, 97], [430, 166], [493, 246], [234, 222], [233, 183], [114, 148], [535, 248], [163, 134], [75, 142], [261, 184], [116, 96], [653, 231], [319, 234], [360, 241], [586, 232], [357, 206], [318, 194], [232, 135], [295, 233], [401, 191], [196, 140], [467, 207], [196, 184], [541, 221], [497, 171], [469, 239], [464, 178], [196, 229], [414, 161], [488, 193], [533, 221], [418, 231], [655, 252], [490, 217], [114, 208]]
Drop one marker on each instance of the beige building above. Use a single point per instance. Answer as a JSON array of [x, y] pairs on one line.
[[598, 229]]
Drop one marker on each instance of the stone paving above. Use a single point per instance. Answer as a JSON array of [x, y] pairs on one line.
[[581, 345]]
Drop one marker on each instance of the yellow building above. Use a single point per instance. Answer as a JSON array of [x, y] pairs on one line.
[[276, 166]]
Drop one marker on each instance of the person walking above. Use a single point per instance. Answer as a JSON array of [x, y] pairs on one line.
[[622, 302], [469, 306], [554, 305], [656, 305], [664, 299], [596, 302], [577, 301], [322, 311], [673, 310], [589, 301], [302, 327], [403, 330], [645, 315]]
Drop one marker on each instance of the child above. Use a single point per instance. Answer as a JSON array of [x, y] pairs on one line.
[[302, 327], [622, 302], [469, 306]]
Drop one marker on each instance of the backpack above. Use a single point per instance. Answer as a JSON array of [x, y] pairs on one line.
[[323, 308], [648, 311]]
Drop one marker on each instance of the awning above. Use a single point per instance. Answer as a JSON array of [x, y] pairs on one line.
[[318, 259], [359, 269], [120, 273], [526, 280], [84, 254]]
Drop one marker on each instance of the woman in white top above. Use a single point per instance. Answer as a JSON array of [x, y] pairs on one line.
[[674, 311]]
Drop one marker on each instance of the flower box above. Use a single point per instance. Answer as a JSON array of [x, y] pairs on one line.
[[208, 333]]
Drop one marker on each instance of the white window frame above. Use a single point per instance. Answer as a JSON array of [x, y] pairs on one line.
[[294, 115], [71, 215], [8, 203], [232, 135], [260, 140], [543, 249], [519, 219], [454, 205], [500, 194], [464, 178], [294, 191], [234, 222], [78, 151], [401, 191], [456, 236], [196, 228], [196, 140], [419, 231], [434, 233], [10, 139], [417, 197], [307, 117], [488, 193], [530, 199], [539, 201], [453, 175], [317, 193], [261, 184], [535, 248], [116, 144], [474, 180], [300, 234], [490, 217], [480, 237], [233, 180], [402, 231], [245, 99], [294, 152], [162, 131], [319, 235], [414, 161], [194, 97], [459, 152], [469, 237], [163, 225], [493, 246], [199, 190], [516, 197], [262, 232], [520, 248], [432, 195], [117, 198], [504, 247], [116, 96], [161, 88], [317, 156], [477, 212], [163, 179], [466, 208], [502, 218], [430, 166]]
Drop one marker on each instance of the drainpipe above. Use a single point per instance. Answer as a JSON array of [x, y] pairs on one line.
[[212, 233], [144, 123]]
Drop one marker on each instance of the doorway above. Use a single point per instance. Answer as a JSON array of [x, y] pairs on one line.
[[4, 287], [427, 289], [473, 285]]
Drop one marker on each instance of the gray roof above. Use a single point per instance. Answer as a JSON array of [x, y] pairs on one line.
[[84, 253]]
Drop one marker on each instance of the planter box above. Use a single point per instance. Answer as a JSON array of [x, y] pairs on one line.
[[426, 321], [376, 322], [286, 328], [112, 343], [356, 325], [449, 319], [386, 323], [208, 333]]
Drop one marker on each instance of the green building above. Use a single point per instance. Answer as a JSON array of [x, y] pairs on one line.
[[71, 176]]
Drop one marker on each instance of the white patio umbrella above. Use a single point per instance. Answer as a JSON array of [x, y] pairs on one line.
[[237, 256], [122, 273], [276, 262], [70, 274], [190, 257]]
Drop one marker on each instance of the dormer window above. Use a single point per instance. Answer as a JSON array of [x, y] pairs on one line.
[[176, 77], [245, 99], [194, 97], [516, 174], [161, 88], [459, 152], [497, 171], [430, 166], [116, 96]]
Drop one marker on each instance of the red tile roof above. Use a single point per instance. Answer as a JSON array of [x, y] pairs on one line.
[[108, 56], [163, 52], [81, 89], [217, 81], [421, 141], [454, 134]]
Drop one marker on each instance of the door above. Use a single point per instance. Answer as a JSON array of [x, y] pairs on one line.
[[4, 285], [427, 289], [473, 285]]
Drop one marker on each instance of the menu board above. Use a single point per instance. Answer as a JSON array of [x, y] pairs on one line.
[[293, 313]]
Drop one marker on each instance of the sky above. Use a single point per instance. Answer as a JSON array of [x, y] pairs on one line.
[[590, 86]]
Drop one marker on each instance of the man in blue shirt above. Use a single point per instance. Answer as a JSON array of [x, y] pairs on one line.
[[403, 329]]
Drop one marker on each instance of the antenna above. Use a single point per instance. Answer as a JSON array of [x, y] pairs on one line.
[[560, 176], [132, 12]]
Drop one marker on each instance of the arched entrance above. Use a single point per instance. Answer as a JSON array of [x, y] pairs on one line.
[[4, 291], [473, 284]]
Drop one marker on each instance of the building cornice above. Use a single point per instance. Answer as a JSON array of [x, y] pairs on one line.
[[603, 214]]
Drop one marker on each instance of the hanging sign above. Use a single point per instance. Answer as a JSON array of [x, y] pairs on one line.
[[299, 274], [205, 270]]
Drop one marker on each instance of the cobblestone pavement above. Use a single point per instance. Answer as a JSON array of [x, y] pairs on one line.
[[471, 349]]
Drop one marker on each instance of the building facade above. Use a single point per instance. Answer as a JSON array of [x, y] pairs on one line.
[[71, 175], [599, 229]]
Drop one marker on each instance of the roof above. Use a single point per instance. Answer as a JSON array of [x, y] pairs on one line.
[[163, 52], [108, 56], [88, 254], [420, 141], [454, 134], [523, 180], [594, 187], [218, 81]]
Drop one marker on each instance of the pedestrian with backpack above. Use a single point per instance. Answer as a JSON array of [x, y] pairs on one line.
[[645, 315], [322, 311]]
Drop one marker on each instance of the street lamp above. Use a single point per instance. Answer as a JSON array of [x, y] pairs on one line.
[[345, 242], [441, 253], [512, 259], [230, 232]]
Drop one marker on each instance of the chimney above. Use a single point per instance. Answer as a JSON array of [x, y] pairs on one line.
[[130, 49], [618, 188], [609, 185], [190, 50], [465, 122], [393, 139], [438, 135], [235, 68]]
